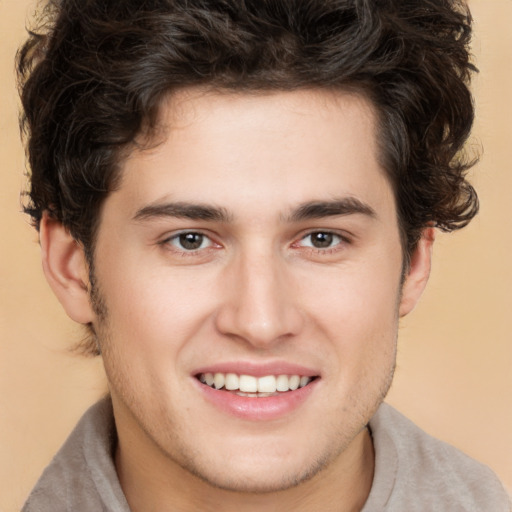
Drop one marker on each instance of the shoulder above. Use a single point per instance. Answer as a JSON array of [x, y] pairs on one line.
[[416, 472], [82, 475]]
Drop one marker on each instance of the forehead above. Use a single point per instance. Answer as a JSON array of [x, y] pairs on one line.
[[272, 150]]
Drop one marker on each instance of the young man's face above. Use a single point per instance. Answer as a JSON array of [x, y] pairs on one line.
[[260, 238]]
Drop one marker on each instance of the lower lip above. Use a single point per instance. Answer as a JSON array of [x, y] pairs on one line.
[[257, 409]]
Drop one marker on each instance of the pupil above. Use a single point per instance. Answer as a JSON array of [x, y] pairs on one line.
[[322, 240], [191, 241]]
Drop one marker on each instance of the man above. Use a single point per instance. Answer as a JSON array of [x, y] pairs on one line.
[[239, 200]]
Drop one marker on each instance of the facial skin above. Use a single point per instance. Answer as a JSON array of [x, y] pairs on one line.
[[256, 295]]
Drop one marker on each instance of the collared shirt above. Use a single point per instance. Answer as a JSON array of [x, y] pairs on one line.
[[413, 471]]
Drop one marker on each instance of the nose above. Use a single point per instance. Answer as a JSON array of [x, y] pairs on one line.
[[260, 301]]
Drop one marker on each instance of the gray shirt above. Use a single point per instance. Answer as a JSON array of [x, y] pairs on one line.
[[413, 471]]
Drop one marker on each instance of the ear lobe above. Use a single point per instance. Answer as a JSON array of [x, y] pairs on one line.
[[418, 273], [66, 269]]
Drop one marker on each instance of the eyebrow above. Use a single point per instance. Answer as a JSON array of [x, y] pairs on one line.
[[305, 211], [190, 211], [333, 208]]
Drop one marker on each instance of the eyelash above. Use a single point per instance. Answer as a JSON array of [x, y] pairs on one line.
[[340, 239], [167, 243], [331, 237]]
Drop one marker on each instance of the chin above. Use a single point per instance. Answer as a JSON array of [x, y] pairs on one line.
[[263, 481]]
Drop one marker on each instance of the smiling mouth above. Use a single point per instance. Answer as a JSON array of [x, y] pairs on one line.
[[254, 387]]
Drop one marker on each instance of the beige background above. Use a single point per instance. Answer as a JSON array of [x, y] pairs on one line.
[[454, 373]]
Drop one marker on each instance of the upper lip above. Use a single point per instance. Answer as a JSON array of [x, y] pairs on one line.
[[258, 369]]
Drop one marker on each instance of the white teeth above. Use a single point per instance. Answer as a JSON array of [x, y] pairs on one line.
[[294, 382], [253, 395], [267, 384], [231, 382], [248, 384], [282, 383], [218, 380]]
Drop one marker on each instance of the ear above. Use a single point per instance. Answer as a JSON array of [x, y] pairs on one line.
[[66, 269], [418, 272]]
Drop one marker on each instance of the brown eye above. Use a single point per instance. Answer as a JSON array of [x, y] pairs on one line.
[[321, 240], [190, 241]]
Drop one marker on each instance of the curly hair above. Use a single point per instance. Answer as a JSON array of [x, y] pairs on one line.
[[93, 74]]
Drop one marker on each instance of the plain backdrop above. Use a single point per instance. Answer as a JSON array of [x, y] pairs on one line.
[[454, 375]]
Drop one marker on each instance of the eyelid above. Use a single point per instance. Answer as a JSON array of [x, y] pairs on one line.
[[344, 239], [168, 238]]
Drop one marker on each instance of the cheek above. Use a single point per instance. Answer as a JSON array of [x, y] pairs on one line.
[[365, 347], [152, 315], [358, 313], [359, 298]]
